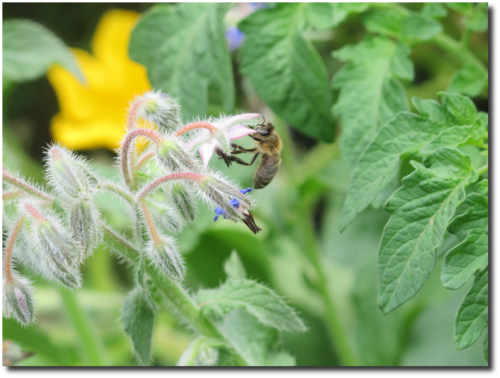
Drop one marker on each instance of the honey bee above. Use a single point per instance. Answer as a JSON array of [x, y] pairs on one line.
[[268, 143]]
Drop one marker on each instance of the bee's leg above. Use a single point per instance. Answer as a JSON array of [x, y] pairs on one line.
[[240, 161], [238, 149], [255, 138]]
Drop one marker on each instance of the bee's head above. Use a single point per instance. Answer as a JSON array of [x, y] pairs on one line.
[[265, 129]]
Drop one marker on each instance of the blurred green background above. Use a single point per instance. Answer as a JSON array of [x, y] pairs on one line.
[[313, 177]]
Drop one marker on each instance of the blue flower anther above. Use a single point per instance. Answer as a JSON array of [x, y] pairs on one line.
[[219, 211], [234, 203], [245, 191]]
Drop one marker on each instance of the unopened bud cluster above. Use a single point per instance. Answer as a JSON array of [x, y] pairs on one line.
[[53, 232]]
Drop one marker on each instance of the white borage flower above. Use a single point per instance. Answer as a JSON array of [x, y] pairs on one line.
[[67, 173], [18, 300], [155, 107], [216, 133], [164, 256]]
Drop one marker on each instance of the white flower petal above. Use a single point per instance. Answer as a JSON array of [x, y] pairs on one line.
[[239, 131], [206, 152]]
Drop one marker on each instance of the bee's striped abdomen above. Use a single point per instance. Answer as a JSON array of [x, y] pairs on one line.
[[267, 170]]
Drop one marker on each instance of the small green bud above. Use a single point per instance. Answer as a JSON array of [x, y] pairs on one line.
[[174, 156], [18, 301], [63, 252], [163, 255], [165, 214], [83, 224], [201, 352], [184, 200], [66, 172]]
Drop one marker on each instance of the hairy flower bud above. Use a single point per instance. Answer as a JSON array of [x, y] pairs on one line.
[[165, 258], [219, 192], [174, 157], [184, 200], [83, 223], [165, 214], [66, 172], [155, 107], [18, 300]]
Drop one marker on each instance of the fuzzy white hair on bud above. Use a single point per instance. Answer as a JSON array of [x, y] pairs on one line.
[[165, 258], [67, 173], [83, 217], [216, 190], [50, 238], [155, 107], [165, 215], [183, 198], [175, 157], [18, 300]]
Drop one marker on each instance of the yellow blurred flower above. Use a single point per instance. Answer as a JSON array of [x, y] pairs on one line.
[[93, 115]]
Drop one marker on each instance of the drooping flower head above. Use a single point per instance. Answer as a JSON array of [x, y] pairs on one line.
[[223, 130], [242, 209]]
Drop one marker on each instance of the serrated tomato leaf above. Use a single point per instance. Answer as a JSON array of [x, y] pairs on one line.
[[253, 341], [260, 301], [470, 255], [185, 51], [138, 320], [405, 133], [370, 93], [469, 80], [421, 210], [472, 315], [285, 69]]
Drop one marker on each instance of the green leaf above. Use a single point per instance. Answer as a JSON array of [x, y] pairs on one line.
[[386, 22], [185, 51], [482, 187], [464, 8], [469, 80], [413, 27], [329, 15], [418, 27], [471, 255], [421, 210], [285, 69], [452, 137], [478, 22], [434, 10], [31, 339], [472, 315], [259, 300], [234, 268], [461, 107], [255, 342], [200, 352], [369, 94], [138, 320], [29, 49], [486, 346]]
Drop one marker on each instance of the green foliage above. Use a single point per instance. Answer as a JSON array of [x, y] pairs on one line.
[[29, 49], [285, 69], [472, 315], [138, 317], [370, 93], [422, 209], [233, 267], [259, 300], [471, 254], [469, 80], [185, 52]]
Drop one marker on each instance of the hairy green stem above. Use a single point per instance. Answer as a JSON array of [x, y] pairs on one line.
[[92, 346], [117, 190], [174, 292]]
